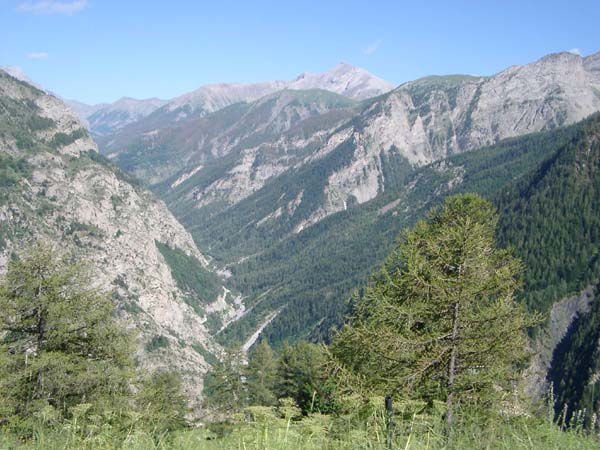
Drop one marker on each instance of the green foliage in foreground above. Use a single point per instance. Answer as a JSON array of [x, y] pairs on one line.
[[280, 429], [66, 363], [61, 346], [437, 329], [295, 372], [439, 321]]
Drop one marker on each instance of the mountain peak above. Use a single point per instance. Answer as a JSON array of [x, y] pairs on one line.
[[345, 67], [344, 79], [561, 57], [336, 70]]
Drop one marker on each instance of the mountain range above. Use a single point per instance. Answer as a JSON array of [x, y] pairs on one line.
[[105, 118], [255, 174], [296, 190], [225, 157], [108, 118]]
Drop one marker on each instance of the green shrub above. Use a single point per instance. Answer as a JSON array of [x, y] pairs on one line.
[[157, 342]]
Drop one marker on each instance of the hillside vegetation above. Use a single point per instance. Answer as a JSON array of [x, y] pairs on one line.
[[314, 272]]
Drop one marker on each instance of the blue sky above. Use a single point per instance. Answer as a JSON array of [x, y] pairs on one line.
[[100, 50]]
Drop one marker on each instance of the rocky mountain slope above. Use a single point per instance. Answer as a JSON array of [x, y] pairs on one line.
[[55, 187], [228, 146], [435, 117]]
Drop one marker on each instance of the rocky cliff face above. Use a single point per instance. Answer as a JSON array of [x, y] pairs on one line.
[[61, 191], [562, 315], [432, 118]]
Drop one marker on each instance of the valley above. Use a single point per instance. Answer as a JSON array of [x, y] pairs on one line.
[[249, 236], [300, 194]]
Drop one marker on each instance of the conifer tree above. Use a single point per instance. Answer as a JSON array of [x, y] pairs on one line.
[[162, 402], [261, 375], [439, 321], [302, 377], [224, 386], [60, 345]]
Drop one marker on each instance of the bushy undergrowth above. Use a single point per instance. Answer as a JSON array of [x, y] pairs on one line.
[[282, 428]]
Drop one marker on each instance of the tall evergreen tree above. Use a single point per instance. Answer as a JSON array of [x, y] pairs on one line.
[[60, 345], [162, 402], [439, 321], [224, 386], [261, 375], [302, 377]]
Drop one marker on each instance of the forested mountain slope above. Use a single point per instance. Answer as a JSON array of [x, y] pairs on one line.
[[551, 218], [313, 272]]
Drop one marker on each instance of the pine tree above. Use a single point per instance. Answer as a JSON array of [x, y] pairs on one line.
[[439, 321], [162, 402], [224, 386], [60, 344], [302, 377], [261, 375]]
